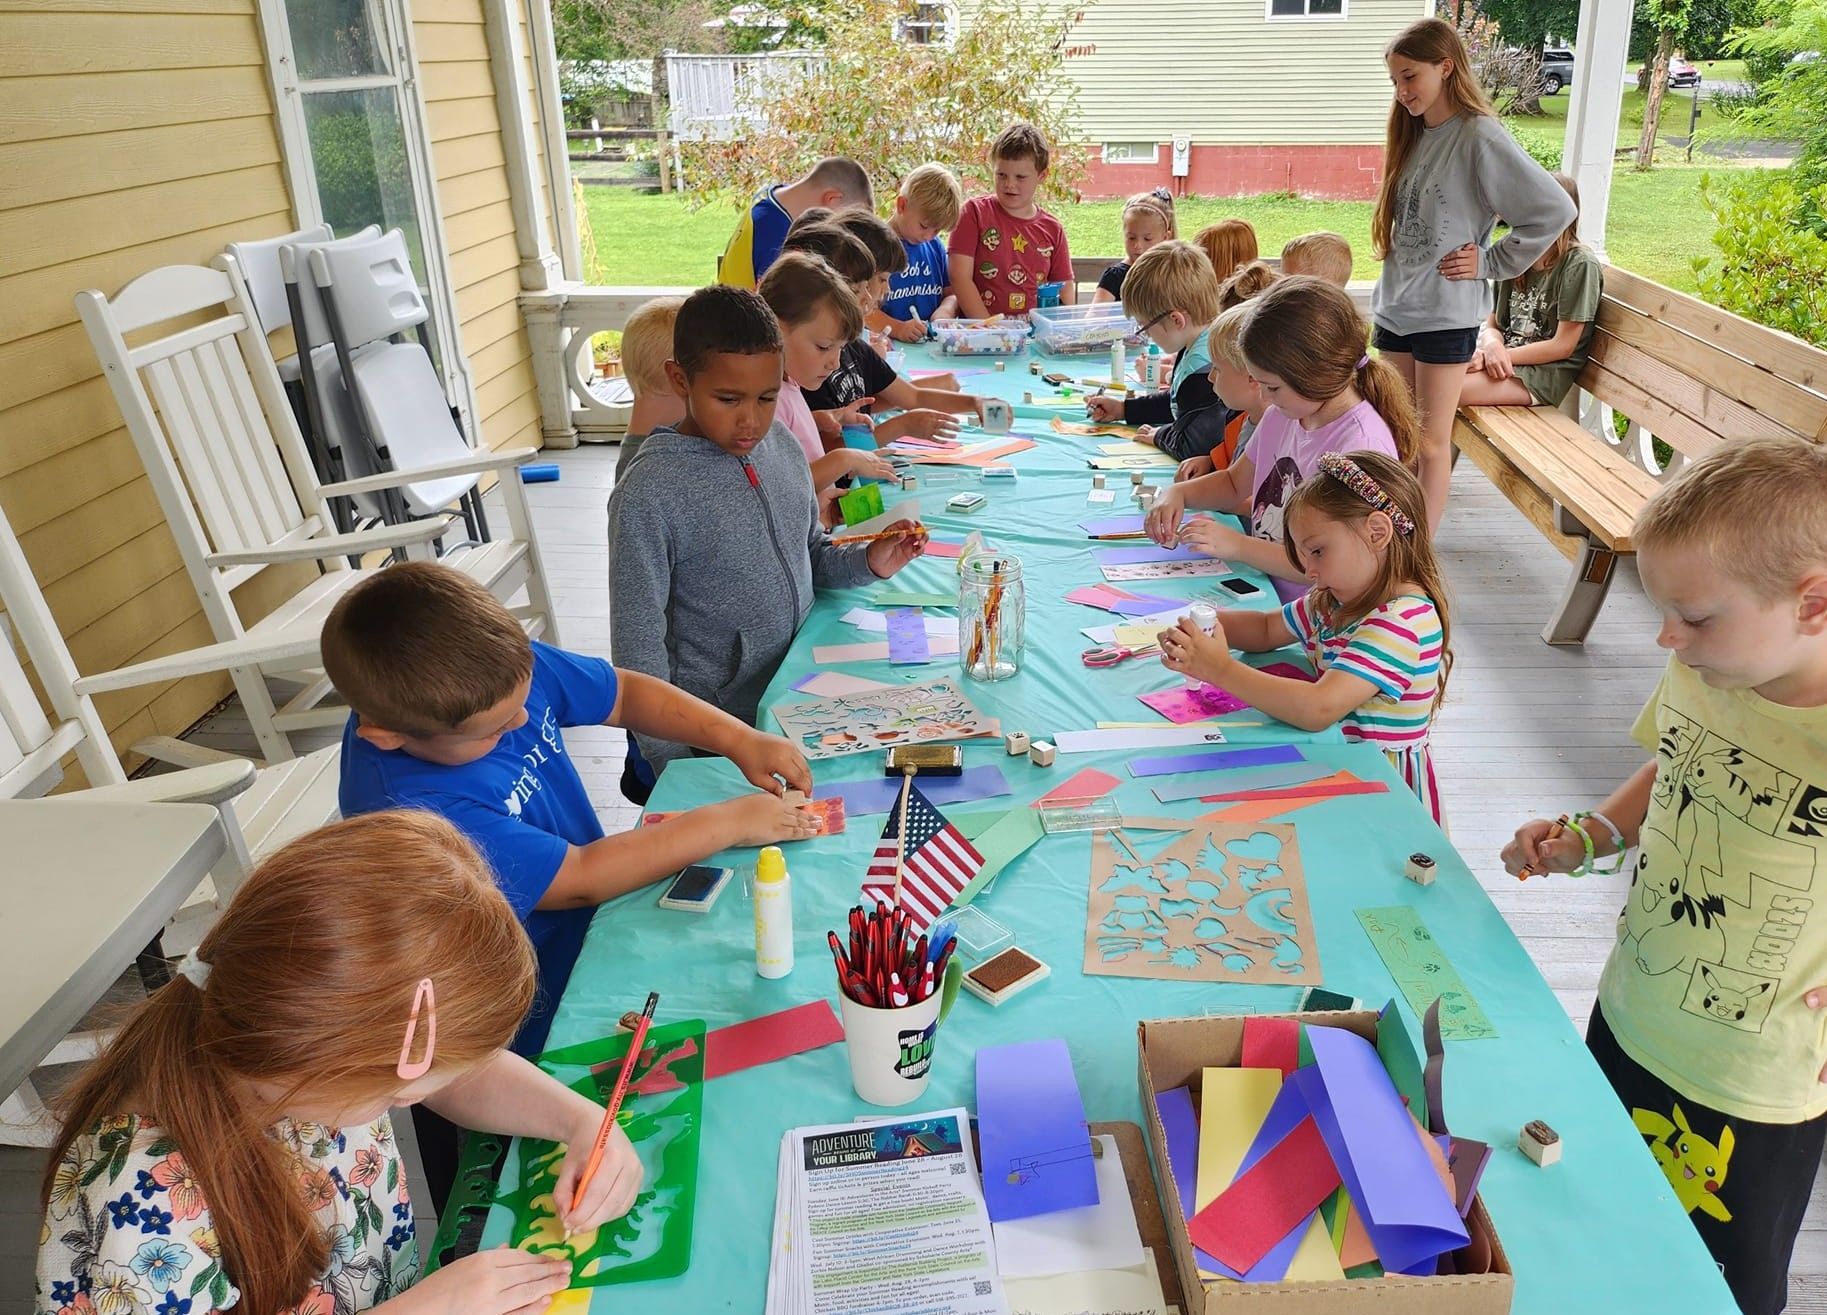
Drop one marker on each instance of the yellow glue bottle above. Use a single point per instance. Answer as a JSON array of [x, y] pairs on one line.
[[773, 914]]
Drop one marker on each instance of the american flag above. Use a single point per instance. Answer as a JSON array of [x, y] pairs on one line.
[[938, 862]]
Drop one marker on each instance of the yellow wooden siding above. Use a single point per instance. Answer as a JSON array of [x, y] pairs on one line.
[[133, 133], [464, 123], [1219, 71]]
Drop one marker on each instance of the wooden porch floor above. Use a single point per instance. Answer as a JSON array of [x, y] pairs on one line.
[[1528, 730]]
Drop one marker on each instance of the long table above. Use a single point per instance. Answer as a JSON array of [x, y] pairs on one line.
[[1599, 1231]]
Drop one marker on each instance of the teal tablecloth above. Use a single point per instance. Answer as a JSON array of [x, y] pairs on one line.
[[1597, 1232]]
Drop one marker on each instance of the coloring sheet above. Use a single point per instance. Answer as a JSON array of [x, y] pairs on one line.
[[1217, 904], [1164, 570], [832, 728]]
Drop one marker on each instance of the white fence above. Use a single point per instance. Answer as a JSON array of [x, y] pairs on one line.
[[720, 96]]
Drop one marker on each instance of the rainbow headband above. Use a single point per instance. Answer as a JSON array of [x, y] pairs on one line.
[[1352, 476]]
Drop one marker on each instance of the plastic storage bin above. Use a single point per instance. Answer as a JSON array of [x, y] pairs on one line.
[[1003, 336], [1082, 330]]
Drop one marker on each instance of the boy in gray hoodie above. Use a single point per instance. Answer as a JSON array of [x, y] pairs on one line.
[[714, 540]]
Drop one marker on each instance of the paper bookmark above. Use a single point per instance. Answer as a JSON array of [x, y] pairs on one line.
[[1183, 705], [878, 794], [764, 1040], [835, 684], [1149, 552], [1265, 778], [1332, 787], [1111, 739], [1422, 971], [1268, 1201], [909, 598], [876, 651], [1166, 570], [1088, 784], [1264, 756], [1031, 1128], [907, 638]]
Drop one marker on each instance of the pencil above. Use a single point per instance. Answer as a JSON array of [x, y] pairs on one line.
[[915, 529], [1530, 870], [615, 1099]]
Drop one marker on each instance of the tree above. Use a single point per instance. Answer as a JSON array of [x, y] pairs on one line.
[[1508, 65], [1527, 24], [892, 104], [1792, 99], [1670, 18]]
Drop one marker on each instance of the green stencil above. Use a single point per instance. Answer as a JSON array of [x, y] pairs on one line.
[[662, 1114], [864, 502], [1422, 971]]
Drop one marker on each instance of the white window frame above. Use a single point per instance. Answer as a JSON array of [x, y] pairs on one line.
[[395, 34], [1270, 16], [1153, 156]]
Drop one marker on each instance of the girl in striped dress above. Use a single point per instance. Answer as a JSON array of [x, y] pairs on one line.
[[1374, 623]]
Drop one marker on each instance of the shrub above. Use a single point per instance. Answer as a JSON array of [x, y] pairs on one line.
[[1771, 265]]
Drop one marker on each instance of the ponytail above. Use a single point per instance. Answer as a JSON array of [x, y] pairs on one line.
[[1383, 387], [312, 972]]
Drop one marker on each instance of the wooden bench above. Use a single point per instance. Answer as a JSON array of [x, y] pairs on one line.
[[1689, 373]]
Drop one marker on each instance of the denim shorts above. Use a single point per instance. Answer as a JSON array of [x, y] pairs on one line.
[[1434, 347]]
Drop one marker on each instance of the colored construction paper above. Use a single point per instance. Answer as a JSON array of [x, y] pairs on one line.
[[878, 794], [775, 1036], [834, 684], [907, 639], [1142, 605], [1256, 810], [1286, 1113], [1329, 788], [1091, 1237], [1408, 1213], [1031, 1128], [861, 503], [1269, 1200], [1233, 1103], [1148, 552], [1271, 1043], [1113, 739], [1199, 784], [874, 622], [1088, 784], [1422, 971], [1180, 1131], [1092, 595], [1183, 705], [1290, 671], [877, 651], [941, 548], [1223, 759], [1137, 635], [1133, 1291], [910, 598], [1012, 836], [1105, 527]]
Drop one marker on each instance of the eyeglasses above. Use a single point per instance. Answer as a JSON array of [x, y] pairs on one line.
[[1151, 324], [425, 998]]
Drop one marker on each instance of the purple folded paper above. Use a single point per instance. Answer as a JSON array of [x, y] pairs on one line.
[[1109, 525], [1148, 552], [878, 794], [1032, 1130], [1145, 605], [907, 644], [1408, 1214], [1181, 1131], [1267, 756]]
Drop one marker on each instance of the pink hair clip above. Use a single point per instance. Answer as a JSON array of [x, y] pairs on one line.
[[1353, 476], [425, 997]]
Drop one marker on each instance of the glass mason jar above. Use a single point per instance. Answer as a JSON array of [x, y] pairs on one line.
[[992, 612]]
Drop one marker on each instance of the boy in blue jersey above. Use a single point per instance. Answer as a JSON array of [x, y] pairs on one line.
[[928, 205], [454, 710], [832, 183]]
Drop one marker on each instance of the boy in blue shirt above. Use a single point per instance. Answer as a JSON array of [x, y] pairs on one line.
[[928, 205], [833, 183], [454, 710]]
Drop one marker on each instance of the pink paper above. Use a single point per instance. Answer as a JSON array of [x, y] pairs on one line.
[[940, 548], [1088, 784], [764, 1040], [1289, 670], [1183, 705]]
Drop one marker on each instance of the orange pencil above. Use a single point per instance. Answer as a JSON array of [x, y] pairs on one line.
[[615, 1099], [1528, 870], [916, 529]]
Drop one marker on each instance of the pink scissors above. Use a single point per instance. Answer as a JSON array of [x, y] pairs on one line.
[[1112, 654]]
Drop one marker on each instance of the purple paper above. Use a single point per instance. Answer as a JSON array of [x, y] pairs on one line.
[[1148, 552], [1145, 605], [1031, 1128], [1181, 1132], [907, 637], [1267, 756], [1407, 1212], [1109, 525], [1284, 1116], [1289, 670], [878, 794]]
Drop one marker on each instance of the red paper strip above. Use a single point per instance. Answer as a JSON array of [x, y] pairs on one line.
[[1330, 788], [1265, 1204], [1088, 784], [1271, 1043], [764, 1040]]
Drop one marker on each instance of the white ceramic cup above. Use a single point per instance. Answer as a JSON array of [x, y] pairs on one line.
[[891, 1050]]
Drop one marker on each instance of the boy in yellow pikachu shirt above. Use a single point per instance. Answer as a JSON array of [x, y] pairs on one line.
[[1711, 1022]]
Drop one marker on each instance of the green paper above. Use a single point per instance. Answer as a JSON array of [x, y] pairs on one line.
[[913, 598], [1369, 1269], [653, 1240], [1423, 972], [1397, 1051], [972, 825], [864, 502], [1004, 842]]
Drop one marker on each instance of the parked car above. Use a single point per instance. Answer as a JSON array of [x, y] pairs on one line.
[[1557, 69], [1681, 73]]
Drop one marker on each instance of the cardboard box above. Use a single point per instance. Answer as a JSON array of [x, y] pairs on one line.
[[1170, 1053]]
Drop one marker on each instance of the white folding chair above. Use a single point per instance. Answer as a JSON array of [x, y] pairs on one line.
[[224, 455], [406, 422]]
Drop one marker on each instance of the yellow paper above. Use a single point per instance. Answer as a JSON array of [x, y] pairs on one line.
[[1122, 449], [1089, 1292], [1233, 1104], [1137, 637], [1315, 1260], [1138, 458]]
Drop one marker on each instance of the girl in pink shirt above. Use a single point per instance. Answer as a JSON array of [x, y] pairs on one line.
[[1305, 344]]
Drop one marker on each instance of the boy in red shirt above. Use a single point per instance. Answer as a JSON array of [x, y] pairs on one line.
[[1004, 245]]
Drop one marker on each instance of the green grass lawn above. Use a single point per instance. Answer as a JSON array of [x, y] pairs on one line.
[[1658, 225]]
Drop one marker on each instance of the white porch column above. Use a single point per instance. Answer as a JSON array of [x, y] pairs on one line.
[[539, 263], [1595, 108]]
